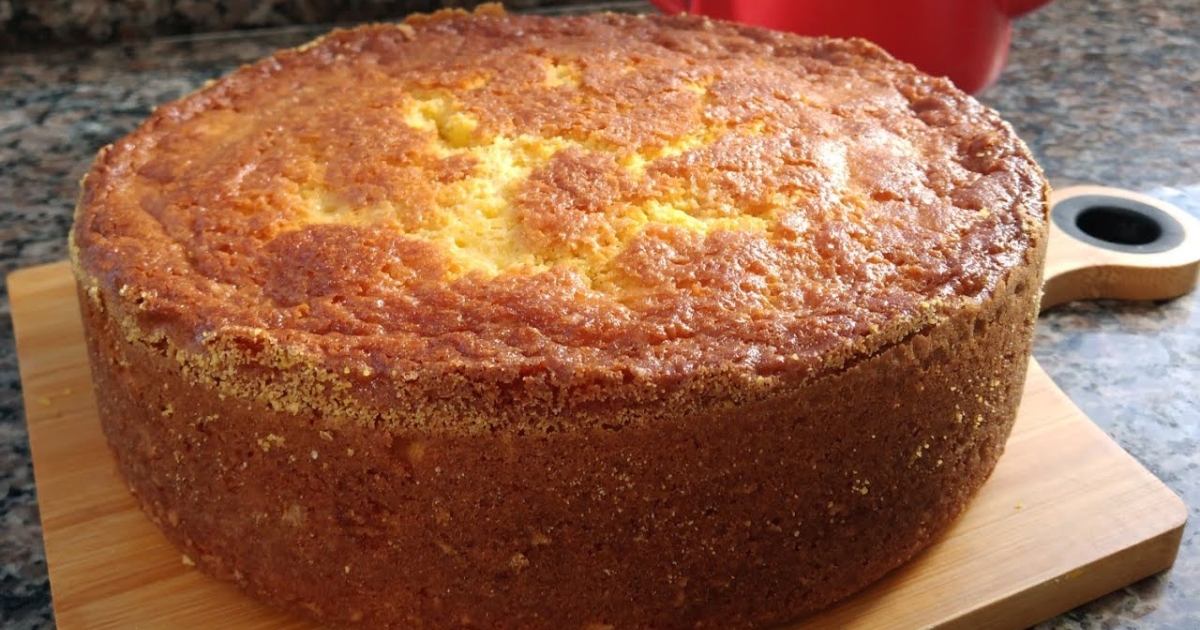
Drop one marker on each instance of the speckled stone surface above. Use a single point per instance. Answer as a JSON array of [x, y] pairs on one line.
[[1105, 92], [44, 23]]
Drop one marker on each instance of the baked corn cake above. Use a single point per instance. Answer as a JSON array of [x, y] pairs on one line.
[[597, 322]]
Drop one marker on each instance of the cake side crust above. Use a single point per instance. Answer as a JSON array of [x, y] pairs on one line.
[[737, 518], [601, 322]]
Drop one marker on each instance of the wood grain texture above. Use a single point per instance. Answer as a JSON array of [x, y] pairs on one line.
[[1077, 270], [1066, 517]]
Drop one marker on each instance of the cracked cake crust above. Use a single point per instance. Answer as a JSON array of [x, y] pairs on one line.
[[483, 320]]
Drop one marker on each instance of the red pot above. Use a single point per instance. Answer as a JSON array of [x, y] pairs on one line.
[[966, 40]]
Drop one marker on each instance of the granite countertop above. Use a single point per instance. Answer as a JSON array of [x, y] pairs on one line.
[[47, 23], [1105, 92]]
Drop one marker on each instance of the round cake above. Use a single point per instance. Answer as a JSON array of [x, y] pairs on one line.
[[598, 322]]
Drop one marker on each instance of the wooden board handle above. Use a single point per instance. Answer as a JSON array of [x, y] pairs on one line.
[[1116, 244]]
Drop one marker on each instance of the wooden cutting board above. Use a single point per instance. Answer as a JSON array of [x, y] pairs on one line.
[[1066, 517]]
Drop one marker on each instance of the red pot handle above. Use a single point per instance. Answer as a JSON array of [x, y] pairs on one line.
[[1017, 8], [672, 6]]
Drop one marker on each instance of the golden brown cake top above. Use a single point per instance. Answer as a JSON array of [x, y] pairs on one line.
[[600, 194]]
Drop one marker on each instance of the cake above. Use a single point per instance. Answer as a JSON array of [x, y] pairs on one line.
[[595, 322]]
